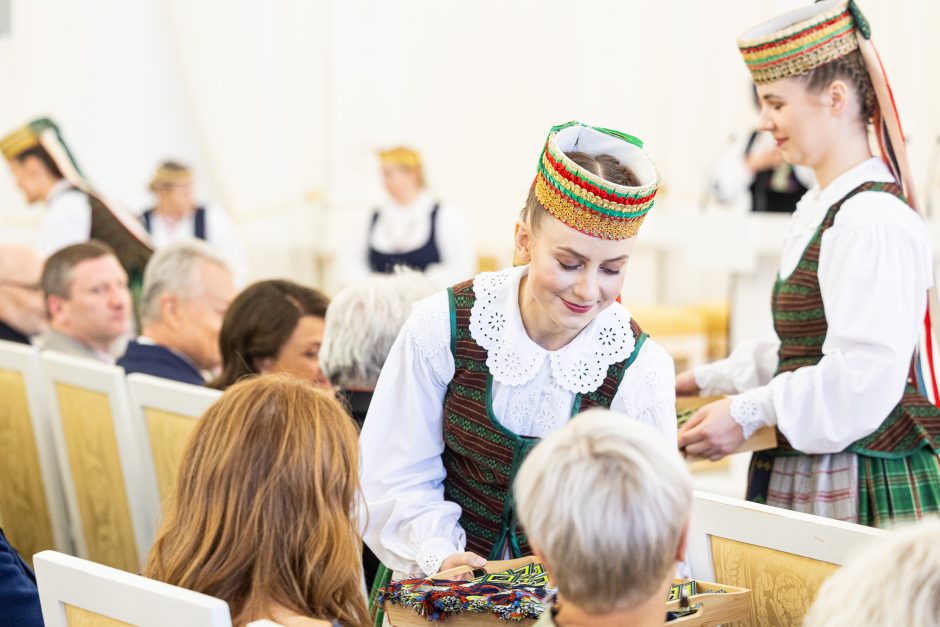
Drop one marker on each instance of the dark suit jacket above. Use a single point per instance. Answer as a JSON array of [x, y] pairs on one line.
[[159, 361], [19, 596], [10, 334]]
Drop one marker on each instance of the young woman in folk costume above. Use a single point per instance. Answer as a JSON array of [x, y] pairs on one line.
[[484, 369], [845, 386]]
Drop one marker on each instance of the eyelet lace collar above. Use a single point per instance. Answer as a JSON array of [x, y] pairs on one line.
[[514, 359]]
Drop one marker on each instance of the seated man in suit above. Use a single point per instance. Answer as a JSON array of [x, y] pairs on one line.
[[19, 596], [187, 288], [21, 312], [87, 300]]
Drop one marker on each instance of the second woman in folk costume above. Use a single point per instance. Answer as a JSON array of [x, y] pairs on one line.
[[844, 386], [484, 369]]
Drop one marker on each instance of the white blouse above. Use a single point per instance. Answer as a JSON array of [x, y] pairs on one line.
[[404, 228], [875, 267], [410, 526], [66, 219]]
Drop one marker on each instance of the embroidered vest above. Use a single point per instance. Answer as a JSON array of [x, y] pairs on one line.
[[800, 322], [481, 456]]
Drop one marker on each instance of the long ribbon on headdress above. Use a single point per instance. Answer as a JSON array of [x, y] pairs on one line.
[[890, 135]]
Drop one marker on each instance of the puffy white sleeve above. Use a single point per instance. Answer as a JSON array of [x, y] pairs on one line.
[[457, 248], [750, 364], [647, 392], [66, 221], [875, 268], [409, 525]]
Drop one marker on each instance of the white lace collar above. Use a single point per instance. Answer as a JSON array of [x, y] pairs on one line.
[[514, 359]]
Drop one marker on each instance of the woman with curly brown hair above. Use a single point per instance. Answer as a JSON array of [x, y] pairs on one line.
[[261, 515]]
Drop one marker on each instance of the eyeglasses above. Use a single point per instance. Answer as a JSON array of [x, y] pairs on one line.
[[31, 287]]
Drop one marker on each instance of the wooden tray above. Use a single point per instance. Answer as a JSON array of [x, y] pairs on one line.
[[762, 439], [714, 609]]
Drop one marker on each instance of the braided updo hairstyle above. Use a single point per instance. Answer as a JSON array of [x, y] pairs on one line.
[[850, 68]]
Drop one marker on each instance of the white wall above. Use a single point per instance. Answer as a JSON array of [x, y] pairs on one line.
[[281, 105]]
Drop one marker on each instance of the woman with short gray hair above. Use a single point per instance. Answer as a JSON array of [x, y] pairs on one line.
[[362, 323], [605, 503]]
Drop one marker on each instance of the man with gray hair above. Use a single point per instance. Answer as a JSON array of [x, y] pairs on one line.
[[187, 288], [605, 503], [21, 310]]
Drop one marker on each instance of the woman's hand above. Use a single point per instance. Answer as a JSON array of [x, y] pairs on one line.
[[686, 385], [467, 558], [712, 432]]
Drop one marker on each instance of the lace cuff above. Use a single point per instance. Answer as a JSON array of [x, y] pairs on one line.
[[753, 410], [432, 553]]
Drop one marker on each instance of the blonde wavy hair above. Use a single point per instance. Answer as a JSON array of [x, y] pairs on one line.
[[262, 514]]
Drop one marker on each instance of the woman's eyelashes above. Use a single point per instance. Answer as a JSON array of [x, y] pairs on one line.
[[571, 268]]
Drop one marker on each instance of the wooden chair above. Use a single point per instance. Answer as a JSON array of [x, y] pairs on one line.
[[77, 593], [781, 556], [100, 447], [169, 410], [32, 503]]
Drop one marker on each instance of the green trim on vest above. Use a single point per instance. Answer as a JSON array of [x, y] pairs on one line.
[[481, 455], [800, 321]]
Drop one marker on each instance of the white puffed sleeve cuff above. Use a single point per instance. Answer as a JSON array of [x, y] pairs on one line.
[[433, 552], [753, 410], [647, 393]]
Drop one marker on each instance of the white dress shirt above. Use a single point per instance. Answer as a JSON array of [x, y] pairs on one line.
[[66, 219]]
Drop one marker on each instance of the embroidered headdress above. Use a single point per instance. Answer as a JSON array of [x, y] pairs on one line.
[[42, 133], [400, 156], [585, 201], [170, 173]]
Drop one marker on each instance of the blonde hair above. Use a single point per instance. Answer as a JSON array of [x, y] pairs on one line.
[[605, 501], [262, 512], [894, 582]]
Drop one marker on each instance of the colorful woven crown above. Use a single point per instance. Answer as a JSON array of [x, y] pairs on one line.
[[401, 156], [585, 201], [799, 41], [25, 137]]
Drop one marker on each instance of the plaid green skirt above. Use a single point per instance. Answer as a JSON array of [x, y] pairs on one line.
[[886, 491]]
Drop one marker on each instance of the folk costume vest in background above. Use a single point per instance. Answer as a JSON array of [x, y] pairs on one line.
[[418, 259], [800, 322], [199, 222], [480, 455]]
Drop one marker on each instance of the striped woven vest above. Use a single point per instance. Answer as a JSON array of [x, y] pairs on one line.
[[130, 251], [800, 321], [480, 455]]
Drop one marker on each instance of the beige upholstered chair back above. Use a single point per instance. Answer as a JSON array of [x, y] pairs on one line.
[[32, 504], [781, 556], [169, 411], [110, 495]]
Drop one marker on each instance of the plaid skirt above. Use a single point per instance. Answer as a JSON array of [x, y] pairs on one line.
[[866, 490]]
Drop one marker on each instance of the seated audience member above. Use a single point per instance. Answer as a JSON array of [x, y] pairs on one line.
[[187, 288], [361, 325], [273, 326], [21, 311], [177, 216], [261, 516], [87, 300], [895, 581], [605, 503], [19, 596]]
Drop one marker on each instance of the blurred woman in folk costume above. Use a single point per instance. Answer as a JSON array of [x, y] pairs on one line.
[[46, 172], [849, 386], [412, 228], [482, 370]]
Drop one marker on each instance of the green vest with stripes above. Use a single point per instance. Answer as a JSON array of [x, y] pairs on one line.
[[800, 322], [481, 456]]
